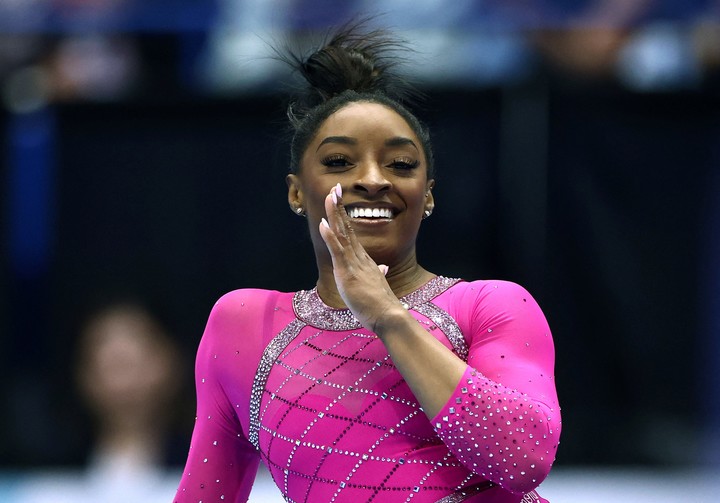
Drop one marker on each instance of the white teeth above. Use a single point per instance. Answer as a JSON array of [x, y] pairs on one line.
[[369, 212]]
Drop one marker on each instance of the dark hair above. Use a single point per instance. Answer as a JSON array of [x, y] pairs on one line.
[[355, 65]]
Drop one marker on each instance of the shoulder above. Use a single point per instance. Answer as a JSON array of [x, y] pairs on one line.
[[242, 321], [244, 308], [489, 291], [245, 300], [248, 300], [482, 302]]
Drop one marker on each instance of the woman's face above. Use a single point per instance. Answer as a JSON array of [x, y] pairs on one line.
[[125, 369], [379, 162]]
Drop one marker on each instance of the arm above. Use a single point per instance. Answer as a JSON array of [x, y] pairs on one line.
[[221, 463], [503, 420], [517, 382], [499, 415]]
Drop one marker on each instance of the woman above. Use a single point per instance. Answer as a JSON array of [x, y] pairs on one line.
[[385, 382]]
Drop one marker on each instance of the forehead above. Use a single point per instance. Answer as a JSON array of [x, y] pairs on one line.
[[365, 120]]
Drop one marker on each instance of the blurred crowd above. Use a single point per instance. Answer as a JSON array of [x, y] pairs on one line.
[[99, 50], [127, 376]]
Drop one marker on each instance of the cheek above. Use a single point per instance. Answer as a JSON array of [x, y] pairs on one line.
[[315, 199], [312, 192], [417, 195]]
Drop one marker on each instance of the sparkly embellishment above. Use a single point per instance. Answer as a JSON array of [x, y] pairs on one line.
[[313, 379], [508, 413], [464, 494], [310, 308], [272, 351], [447, 325]]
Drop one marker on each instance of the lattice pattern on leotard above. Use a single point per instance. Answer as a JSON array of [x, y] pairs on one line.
[[334, 420], [337, 418]]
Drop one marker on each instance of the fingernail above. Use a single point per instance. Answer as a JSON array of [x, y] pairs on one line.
[[333, 197], [324, 222], [384, 269], [338, 190]]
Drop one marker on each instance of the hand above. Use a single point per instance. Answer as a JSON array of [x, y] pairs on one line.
[[430, 369], [360, 281]]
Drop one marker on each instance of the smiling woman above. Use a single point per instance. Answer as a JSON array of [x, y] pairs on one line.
[[372, 152], [385, 381]]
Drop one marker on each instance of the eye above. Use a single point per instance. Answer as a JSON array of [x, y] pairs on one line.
[[404, 163], [335, 161]]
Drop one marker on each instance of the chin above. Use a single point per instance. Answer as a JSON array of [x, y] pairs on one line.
[[382, 254]]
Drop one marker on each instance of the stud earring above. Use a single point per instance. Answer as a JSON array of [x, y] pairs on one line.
[[427, 214], [300, 212]]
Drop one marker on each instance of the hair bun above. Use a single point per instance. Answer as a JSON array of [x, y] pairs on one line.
[[334, 69], [353, 59]]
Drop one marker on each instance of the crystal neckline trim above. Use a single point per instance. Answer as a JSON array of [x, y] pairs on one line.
[[310, 308]]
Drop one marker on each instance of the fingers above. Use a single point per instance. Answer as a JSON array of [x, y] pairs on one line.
[[334, 229], [338, 219], [337, 230], [334, 210]]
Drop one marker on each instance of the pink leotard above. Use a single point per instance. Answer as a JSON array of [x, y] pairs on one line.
[[284, 379]]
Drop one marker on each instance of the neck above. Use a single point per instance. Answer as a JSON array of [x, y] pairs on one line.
[[141, 426], [403, 278], [141, 444]]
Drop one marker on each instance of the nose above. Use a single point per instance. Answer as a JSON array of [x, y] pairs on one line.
[[371, 179]]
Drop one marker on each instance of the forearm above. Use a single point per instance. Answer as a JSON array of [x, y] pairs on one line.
[[506, 435], [500, 433], [431, 370]]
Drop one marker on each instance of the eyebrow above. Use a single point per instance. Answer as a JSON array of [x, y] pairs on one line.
[[399, 141], [395, 141], [344, 140]]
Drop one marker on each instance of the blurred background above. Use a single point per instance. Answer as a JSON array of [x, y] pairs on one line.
[[142, 162]]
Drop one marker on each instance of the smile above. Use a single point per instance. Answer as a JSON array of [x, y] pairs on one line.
[[356, 212]]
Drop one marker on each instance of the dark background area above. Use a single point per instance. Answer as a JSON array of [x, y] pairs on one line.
[[597, 198]]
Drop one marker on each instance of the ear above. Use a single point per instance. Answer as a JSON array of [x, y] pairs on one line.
[[429, 199], [295, 194]]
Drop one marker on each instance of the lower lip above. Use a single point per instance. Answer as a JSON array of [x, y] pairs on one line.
[[370, 221]]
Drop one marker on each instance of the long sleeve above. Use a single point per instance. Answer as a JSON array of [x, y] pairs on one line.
[[221, 464], [503, 420]]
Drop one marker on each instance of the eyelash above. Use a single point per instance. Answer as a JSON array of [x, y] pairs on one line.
[[335, 161], [405, 164], [340, 161]]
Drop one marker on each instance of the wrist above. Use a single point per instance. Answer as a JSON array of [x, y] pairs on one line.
[[395, 319]]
